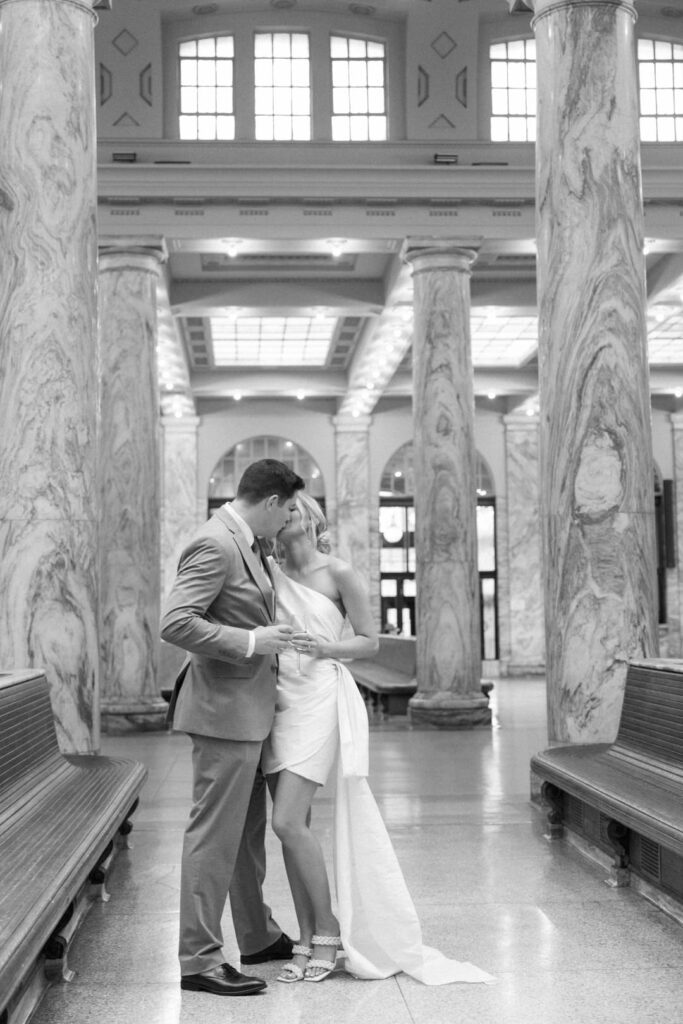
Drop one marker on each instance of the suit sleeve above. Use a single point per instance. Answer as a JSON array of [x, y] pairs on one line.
[[187, 621]]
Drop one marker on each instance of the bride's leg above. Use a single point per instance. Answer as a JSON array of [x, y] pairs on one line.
[[305, 913], [303, 855]]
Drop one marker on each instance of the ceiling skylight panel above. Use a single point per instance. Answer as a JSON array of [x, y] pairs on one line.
[[272, 341]]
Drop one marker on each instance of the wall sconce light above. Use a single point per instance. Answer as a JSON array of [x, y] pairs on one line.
[[336, 247], [232, 246]]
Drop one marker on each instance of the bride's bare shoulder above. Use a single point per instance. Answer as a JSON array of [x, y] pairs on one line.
[[340, 570]]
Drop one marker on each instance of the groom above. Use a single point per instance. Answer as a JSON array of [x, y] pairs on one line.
[[222, 611]]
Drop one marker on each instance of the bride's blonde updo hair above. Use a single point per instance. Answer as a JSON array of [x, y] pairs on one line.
[[314, 522]]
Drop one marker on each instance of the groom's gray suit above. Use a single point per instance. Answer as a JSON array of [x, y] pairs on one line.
[[225, 702]]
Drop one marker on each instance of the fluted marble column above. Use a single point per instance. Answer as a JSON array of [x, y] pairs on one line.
[[48, 357], [352, 527], [179, 516], [130, 563], [596, 448], [525, 588], [447, 581]]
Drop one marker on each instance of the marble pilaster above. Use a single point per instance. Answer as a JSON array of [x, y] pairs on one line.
[[130, 563], [525, 590], [448, 634], [48, 357], [675, 602], [179, 517], [352, 526], [596, 447]]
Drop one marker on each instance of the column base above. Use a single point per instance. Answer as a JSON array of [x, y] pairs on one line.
[[450, 711], [119, 717]]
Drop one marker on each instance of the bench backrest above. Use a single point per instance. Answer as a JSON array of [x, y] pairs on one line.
[[28, 739], [652, 714], [397, 652]]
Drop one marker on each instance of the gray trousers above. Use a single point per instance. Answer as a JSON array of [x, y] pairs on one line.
[[224, 852]]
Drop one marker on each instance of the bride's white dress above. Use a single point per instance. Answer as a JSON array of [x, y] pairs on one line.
[[319, 713]]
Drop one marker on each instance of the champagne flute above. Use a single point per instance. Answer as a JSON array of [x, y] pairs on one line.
[[299, 628]]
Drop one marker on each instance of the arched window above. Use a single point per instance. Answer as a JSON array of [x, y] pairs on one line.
[[230, 467], [348, 74], [358, 90], [513, 90], [660, 74], [398, 478], [282, 86], [206, 88]]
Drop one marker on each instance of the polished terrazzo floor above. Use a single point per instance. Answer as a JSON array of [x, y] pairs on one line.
[[489, 888]]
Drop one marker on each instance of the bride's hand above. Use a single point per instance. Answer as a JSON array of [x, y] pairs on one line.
[[307, 643]]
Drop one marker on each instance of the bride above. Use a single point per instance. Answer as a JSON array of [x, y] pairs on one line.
[[320, 718]]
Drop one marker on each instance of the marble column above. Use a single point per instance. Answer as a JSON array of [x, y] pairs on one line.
[[525, 589], [179, 517], [448, 632], [48, 357], [130, 563], [596, 448], [352, 526], [675, 600]]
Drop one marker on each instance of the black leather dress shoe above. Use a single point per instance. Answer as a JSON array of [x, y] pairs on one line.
[[281, 949], [223, 980]]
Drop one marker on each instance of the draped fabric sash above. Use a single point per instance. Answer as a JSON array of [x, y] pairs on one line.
[[379, 926]]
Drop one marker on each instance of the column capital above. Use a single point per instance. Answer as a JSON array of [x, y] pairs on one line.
[[83, 5], [542, 8], [424, 254], [357, 424], [119, 252], [521, 420], [180, 424]]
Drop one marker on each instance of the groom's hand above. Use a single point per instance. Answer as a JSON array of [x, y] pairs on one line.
[[272, 639]]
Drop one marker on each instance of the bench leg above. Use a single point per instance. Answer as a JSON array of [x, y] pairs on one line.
[[98, 875], [620, 874], [56, 966], [552, 798], [126, 827]]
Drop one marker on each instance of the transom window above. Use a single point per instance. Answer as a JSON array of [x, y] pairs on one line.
[[206, 88], [358, 90], [228, 470], [660, 69], [282, 94], [513, 91]]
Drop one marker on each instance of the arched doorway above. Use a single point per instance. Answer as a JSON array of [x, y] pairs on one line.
[[397, 549], [229, 468]]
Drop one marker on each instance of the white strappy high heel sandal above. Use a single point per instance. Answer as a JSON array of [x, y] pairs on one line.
[[324, 967], [292, 972]]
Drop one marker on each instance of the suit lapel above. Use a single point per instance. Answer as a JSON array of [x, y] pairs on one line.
[[252, 561]]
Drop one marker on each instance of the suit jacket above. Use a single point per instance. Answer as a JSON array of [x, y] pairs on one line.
[[221, 591]]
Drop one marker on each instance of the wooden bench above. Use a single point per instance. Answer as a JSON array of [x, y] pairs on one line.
[[61, 818], [626, 797], [387, 681]]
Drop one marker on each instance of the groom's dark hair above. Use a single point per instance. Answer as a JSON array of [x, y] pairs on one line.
[[266, 477]]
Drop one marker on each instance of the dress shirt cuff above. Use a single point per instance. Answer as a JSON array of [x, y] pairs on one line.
[[251, 642]]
